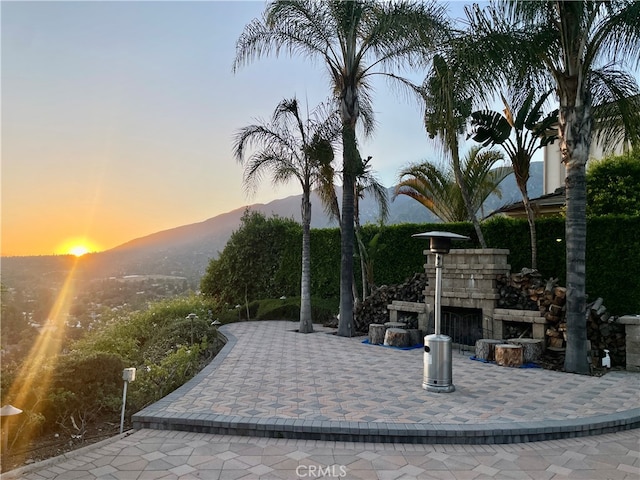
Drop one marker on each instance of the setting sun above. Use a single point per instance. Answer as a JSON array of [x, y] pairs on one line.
[[78, 250], [77, 247]]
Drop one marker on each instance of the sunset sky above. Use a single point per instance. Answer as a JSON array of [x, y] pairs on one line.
[[118, 119]]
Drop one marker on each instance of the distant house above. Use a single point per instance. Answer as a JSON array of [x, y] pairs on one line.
[[553, 199], [543, 206], [554, 170]]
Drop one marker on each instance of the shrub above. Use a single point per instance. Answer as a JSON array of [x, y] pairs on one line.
[[612, 185]]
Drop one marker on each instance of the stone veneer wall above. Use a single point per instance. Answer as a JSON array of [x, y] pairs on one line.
[[469, 280], [632, 337]]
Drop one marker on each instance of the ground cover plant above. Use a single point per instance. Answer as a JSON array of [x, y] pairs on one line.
[[74, 395]]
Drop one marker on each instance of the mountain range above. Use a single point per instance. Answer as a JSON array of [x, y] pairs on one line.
[[187, 250]]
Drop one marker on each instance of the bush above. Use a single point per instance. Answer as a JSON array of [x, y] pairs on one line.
[[257, 262], [84, 386], [322, 310], [612, 185]]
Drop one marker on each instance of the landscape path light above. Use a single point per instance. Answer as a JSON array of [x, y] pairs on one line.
[[6, 412], [437, 348], [192, 317], [128, 375]]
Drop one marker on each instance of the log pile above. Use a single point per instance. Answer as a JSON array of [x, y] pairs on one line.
[[520, 291], [374, 308], [553, 308], [603, 332], [527, 290]]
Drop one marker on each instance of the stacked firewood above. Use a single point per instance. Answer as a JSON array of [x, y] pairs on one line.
[[604, 332], [374, 308], [552, 306], [527, 290]]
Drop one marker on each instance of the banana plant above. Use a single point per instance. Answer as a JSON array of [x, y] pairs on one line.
[[520, 131]]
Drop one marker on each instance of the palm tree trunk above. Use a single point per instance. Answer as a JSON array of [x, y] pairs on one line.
[[575, 139], [363, 269], [306, 322], [531, 219], [349, 152], [361, 248]]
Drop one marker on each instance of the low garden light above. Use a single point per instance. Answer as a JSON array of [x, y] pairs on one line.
[[5, 413], [192, 317], [128, 375], [437, 347]]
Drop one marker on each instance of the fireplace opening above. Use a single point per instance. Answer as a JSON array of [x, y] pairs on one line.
[[515, 329], [463, 325], [410, 318]]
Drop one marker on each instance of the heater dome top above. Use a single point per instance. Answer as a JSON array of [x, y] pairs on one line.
[[440, 241], [436, 234]]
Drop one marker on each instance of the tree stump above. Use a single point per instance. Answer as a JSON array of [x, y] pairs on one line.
[[396, 337], [485, 349], [509, 355], [376, 333], [532, 348], [414, 337], [402, 325]]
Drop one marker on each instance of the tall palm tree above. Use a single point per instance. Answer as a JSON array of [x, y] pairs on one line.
[[447, 108], [584, 50], [438, 191], [291, 148], [355, 40], [520, 131]]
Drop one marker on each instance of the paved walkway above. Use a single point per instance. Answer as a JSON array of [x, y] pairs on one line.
[[270, 380], [169, 455]]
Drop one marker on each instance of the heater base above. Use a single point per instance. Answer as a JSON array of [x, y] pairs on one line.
[[439, 388]]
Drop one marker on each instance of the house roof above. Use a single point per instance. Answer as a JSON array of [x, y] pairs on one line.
[[549, 204]]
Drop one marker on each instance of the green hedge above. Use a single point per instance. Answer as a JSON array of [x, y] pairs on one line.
[[613, 258]]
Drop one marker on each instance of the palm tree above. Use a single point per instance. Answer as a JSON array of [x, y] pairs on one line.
[[579, 48], [439, 192], [355, 40], [368, 183], [446, 111], [290, 148], [521, 132]]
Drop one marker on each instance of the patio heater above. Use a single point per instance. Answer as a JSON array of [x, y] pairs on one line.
[[437, 347]]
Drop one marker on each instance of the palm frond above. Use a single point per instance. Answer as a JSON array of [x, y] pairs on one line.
[[617, 36], [288, 147], [617, 112]]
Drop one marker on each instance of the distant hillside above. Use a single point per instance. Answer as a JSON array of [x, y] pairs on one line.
[[186, 250]]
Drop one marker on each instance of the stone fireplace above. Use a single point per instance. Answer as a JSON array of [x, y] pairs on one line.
[[469, 281]]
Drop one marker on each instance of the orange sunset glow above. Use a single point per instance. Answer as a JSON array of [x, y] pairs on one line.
[[89, 149], [77, 247]]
